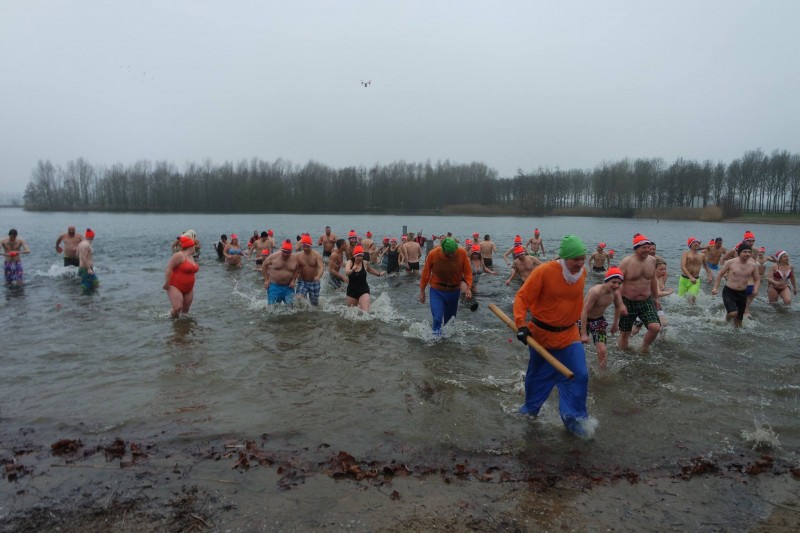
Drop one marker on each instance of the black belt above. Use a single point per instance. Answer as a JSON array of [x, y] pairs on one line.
[[447, 285], [548, 327]]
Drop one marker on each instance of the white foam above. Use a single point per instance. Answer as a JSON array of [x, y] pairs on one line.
[[762, 437], [58, 271], [588, 427]]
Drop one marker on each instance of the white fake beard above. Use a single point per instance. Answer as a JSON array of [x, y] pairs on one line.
[[569, 277]]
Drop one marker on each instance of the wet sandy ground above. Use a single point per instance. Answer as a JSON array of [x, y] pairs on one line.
[[249, 486]]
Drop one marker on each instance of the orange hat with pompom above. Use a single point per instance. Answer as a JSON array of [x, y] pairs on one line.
[[612, 273]]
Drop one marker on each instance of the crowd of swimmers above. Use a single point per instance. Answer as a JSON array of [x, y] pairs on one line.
[[77, 250], [550, 307]]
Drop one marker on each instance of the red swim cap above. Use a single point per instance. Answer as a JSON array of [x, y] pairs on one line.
[[186, 242], [640, 240], [601, 245], [352, 234], [613, 272], [749, 235], [234, 236], [476, 248], [305, 239], [518, 251], [690, 241], [89, 233], [369, 234], [270, 233], [536, 231], [386, 239], [358, 250], [517, 239], [287, 246], [476, 235]]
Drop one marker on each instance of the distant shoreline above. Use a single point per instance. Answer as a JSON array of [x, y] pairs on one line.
[[708, 214]]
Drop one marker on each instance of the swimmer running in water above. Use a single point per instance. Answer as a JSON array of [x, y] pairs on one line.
[[179, 277], [593, 321], [86, 263], [780, 274], [13, 247], [71, 241], [311, 266], [280, 272], [536, 245], [600, 260], [357, 287], [233, 253], [740, 271], [478, 265]]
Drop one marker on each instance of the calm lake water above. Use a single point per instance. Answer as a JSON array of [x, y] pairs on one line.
[[377, 385]]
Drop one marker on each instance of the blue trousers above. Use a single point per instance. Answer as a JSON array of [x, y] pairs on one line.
[[541, 377], [444, 305]]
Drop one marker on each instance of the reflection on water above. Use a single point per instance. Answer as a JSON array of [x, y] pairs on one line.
[[183, 328]]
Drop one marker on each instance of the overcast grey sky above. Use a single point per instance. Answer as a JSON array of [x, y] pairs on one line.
[[513, 84]]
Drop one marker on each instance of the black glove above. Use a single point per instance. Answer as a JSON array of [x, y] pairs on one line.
[[522, 335]]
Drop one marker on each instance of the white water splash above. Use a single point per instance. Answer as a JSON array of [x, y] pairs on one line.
[[588, 427], [762, 437], [57, 271]]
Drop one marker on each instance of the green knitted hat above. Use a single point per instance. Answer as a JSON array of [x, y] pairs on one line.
[[449, 245], [571, 247]]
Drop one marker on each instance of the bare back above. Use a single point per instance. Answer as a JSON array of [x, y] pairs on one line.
[[85, 255], [412, 251], [487, 249]]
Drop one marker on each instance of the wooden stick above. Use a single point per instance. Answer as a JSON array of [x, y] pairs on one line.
[[533, 344]]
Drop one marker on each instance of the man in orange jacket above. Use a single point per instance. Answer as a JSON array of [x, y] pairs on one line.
[[445, 267], [553, 295]]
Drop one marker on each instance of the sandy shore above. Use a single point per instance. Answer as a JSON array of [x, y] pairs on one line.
[[246, 486]]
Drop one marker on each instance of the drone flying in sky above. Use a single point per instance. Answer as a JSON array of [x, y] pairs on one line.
[[366, 83]]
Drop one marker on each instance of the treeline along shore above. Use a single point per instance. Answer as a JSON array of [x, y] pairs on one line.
[[755, 183]]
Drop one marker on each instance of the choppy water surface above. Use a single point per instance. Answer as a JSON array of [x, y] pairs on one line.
[[376, 385]]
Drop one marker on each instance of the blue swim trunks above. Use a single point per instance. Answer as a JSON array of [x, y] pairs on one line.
[[308, 289], [88, 281], [13, 272], [750, 289], [713, 266], [280, 293]]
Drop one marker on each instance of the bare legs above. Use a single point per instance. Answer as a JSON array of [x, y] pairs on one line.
[[180, 302]]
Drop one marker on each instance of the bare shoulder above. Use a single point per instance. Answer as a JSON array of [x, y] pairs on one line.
[[594, 292]]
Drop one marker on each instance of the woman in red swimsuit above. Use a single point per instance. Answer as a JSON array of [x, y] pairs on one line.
[[779, 277], [179, 278]]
